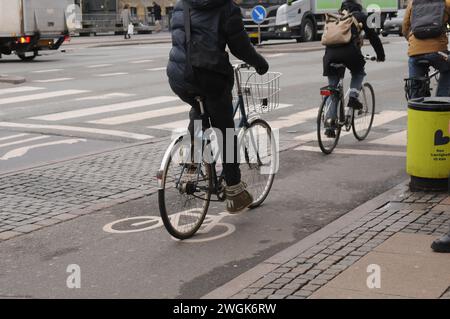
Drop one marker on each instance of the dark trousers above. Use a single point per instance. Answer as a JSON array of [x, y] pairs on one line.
[[220, 111]]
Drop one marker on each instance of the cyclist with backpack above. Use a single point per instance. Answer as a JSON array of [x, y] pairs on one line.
[[343, 43], [199, 67], [424, 26]]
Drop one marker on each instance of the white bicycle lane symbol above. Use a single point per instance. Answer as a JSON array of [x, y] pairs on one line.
[[148, 223]]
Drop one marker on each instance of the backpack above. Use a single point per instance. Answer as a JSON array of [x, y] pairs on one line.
[[207, 67], [427, 18], [338, 29]]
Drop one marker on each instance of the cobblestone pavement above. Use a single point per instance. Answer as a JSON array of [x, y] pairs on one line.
[[302, 275], [47, 195]]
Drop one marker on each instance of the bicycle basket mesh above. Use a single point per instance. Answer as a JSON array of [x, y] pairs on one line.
[[261, 92], [417, 87]]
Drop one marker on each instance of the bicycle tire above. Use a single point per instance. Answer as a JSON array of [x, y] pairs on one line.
[[320, 127], [167, 215], [252, 169], [370, 112]]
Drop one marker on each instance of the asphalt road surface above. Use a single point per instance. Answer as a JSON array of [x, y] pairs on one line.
[[86, 101]]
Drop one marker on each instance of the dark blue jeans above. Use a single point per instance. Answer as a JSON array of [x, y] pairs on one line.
[[436, 61]]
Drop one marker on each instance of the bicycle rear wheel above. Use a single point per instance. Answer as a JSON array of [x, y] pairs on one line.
[[183, 195], [363, 119], [261, 160], [326, 143]]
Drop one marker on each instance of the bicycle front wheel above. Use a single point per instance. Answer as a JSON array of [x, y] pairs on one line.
[[327, 140], [261, 160], [185, 191], [363, 119]]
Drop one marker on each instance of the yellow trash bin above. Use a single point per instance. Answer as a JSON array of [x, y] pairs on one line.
[[428, 147]]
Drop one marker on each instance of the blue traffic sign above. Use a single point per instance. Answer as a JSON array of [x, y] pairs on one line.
[[259, 14]]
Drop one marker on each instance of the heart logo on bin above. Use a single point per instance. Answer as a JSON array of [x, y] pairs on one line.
[[440, 139]]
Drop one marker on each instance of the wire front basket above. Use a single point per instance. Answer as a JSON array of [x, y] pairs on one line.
[[261, 92]]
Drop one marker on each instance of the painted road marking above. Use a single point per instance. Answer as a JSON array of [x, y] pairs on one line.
[[47, 71], [105, 108], [19, 89], [347, 151], [98, 66], [104, 96], [141, 61], [111, 74], [178, 126], [53, 80], [294, 119], [23, 150], [10, 137], [128, 118], [24, 141], [155, 69], [39, 96], [147, 223], [379, 120], [397, 139], [78, 129]]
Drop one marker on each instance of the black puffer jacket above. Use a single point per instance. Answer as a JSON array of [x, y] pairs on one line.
[[356, 9], [228, 30]]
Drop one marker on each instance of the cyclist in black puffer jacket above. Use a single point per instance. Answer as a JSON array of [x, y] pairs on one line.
[[220, 22]]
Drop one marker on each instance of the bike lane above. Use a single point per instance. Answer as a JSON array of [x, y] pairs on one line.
[[136, 257]]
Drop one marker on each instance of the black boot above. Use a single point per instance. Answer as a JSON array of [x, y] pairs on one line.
[[442, 245], [354, 103]]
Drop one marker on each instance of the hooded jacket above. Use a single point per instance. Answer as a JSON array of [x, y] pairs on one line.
[[216, 21], [356, 9]]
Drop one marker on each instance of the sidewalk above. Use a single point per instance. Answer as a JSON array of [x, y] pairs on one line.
[[391, 233]]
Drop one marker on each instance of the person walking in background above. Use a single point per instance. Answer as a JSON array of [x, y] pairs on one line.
[[424, 26], [157, 16], [126, 20]]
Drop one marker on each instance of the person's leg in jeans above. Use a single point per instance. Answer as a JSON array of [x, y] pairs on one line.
[[439, 63], [416, 71], [333, 81]]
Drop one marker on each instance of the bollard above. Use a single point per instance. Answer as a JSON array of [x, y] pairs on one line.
[[428, 146]]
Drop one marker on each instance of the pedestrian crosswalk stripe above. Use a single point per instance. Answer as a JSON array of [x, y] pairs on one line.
[[23, 141], [379, 119], [19, 89], [294, 119], [98, 66], [105, 109], [11, 137], [47, 71], [103, 97], [155, 69], [116, 133], [39, 96], [396, 139], [111, 74], [172, 126], [347, 151], [141, 61], [53, 80], [128, 118]]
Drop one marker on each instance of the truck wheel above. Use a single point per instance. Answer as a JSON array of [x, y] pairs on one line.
[[308, 30], [25, 58]]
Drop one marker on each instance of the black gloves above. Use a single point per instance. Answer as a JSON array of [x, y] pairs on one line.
[[263, 67]]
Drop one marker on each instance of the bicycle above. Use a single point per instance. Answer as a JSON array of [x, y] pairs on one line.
[[359, 121], [422, 85], [186, 188]]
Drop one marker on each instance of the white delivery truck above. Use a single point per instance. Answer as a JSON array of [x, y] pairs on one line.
[[28, 26], [303, 20]]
